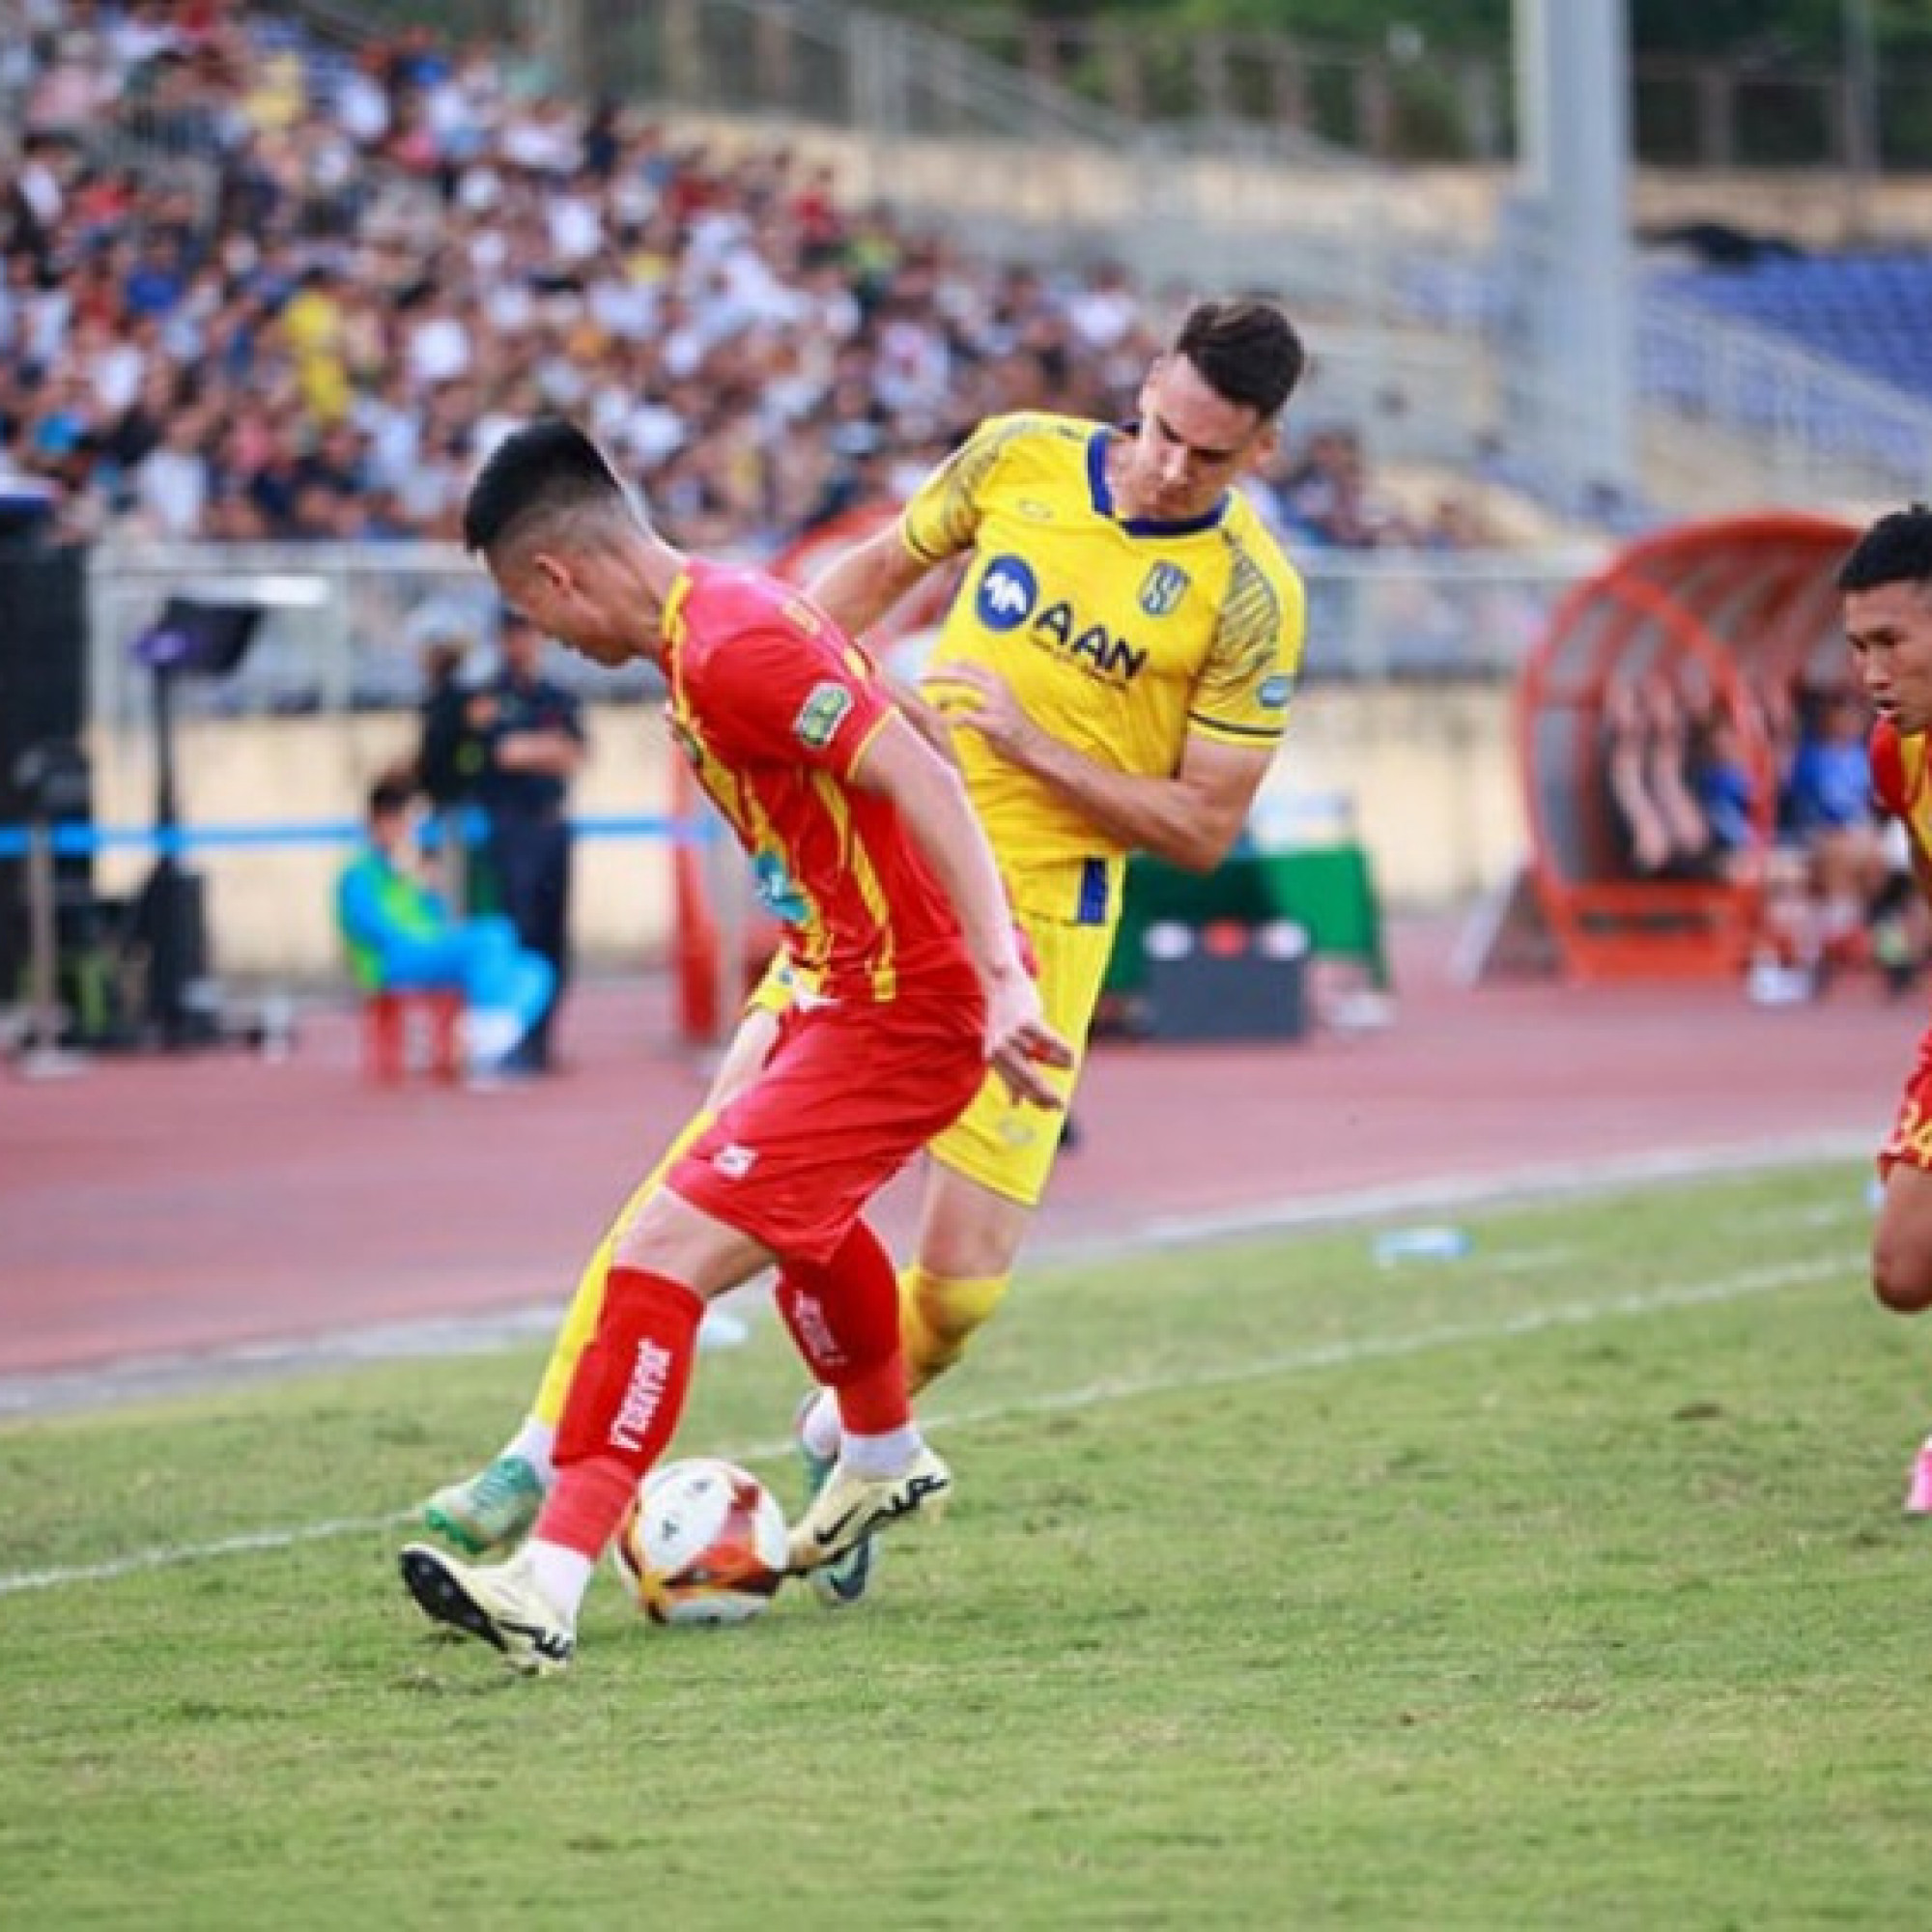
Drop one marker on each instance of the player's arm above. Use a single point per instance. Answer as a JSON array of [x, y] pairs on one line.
[[1190, 819], [863, 583], [941, 520], [932, 806]]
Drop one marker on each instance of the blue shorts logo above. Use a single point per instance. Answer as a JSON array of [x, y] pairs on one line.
[[1008, 593], [1275, 692]]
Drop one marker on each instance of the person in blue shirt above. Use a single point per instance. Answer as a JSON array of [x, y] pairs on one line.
[[401, 936], [1827, 810]]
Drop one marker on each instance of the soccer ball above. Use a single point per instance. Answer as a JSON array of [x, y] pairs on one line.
[[703, 1541]]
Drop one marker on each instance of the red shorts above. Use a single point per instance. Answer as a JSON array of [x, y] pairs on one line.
[[848, 1096], [1910, 1138]]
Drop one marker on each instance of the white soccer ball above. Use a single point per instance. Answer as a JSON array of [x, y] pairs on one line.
[[703, 1543]]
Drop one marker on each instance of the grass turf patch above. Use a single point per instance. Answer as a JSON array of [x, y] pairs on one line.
[[1565, 1583]]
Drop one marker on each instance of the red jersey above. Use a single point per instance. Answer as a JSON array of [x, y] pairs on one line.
[[1899, 781], [775, 706]]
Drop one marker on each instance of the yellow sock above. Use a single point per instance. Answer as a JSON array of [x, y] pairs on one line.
[[586, 1303], [937, 1316]]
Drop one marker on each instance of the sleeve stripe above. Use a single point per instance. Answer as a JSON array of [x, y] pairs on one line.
[[1264, 733], [918, 549], [865, 744]]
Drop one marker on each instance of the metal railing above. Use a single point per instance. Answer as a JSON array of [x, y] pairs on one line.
[[343, 625]]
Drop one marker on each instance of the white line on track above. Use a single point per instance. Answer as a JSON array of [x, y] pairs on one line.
[[1340, 1355], [150, 1378]]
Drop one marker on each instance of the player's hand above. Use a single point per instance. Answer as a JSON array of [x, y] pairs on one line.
[[930, 722], [981, 700], [1019, 1042]]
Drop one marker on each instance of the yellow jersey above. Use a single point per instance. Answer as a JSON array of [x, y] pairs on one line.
[[1122, 636]]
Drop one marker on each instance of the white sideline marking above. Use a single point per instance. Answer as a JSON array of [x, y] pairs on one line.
[[1293, 1361]]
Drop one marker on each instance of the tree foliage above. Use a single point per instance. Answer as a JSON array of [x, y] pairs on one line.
[[1810, 31]]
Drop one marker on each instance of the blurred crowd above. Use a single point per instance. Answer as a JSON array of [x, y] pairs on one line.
[[258, 286]]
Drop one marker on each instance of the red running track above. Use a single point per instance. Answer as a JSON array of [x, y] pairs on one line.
[[177, 1204]]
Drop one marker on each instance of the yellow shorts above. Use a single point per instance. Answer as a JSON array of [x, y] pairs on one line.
[[1008, 1145], [1004, 1145]]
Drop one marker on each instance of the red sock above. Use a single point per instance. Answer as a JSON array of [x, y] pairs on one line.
[[844, 1315], [623, 1406]]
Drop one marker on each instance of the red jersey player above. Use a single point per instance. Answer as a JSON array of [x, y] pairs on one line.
[[1886, 584], [866, 846]]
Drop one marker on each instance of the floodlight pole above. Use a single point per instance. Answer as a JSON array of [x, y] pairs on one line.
[[1573, 111]]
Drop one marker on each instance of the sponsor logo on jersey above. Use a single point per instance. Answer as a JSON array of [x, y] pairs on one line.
[[1275, 692], [821, 714], [1093, 645], [1162, 589], [777, 892], [1007, 595]]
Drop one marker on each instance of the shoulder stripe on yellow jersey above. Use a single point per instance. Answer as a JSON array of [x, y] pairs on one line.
[[944, 517], [1251, 613]]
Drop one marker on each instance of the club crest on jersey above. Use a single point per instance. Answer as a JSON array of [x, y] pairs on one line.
[[821, 714], [1008, 592], [1162, 589]]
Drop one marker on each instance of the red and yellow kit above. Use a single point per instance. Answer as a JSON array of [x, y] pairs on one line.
[[775, 709], [1898, 768]]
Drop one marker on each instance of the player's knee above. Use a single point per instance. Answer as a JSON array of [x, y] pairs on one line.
[[1901, 1274]]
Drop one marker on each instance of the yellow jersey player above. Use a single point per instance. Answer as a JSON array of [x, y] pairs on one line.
[[1114, 676]]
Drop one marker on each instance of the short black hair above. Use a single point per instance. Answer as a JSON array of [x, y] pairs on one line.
[[547, 470], [390, 794], [1898, 548], [1247, 351]]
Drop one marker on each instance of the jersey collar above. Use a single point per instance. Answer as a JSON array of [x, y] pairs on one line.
[[1139, 527]]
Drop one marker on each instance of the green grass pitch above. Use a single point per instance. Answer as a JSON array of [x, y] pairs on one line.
[[1561, 1585]]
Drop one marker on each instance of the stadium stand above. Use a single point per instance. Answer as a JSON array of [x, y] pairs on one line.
[[261, 286], [1872, 311]]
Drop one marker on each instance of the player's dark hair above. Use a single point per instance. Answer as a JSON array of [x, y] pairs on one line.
[[1247, 351], [537, 476], [390, 794], [1898, 548]]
